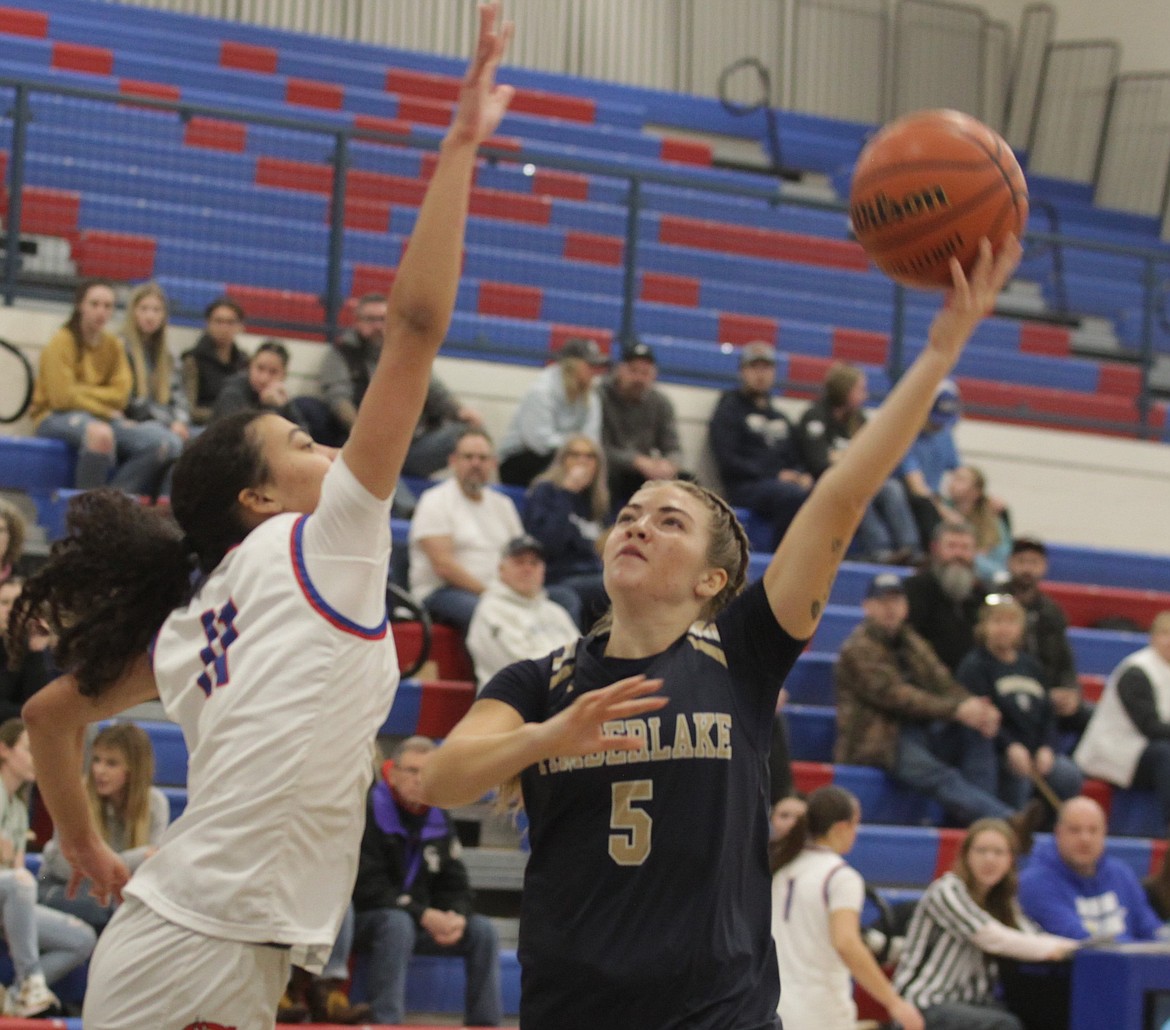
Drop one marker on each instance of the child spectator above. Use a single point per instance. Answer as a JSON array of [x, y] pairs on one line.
[[214, 358], [81, 395], [157, 391], [965, 916], [998, 669], [44, 944], [566, 510], [560, 401], [817, 899], [129, 812]]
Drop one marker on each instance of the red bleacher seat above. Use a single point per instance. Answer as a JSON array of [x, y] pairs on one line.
[[1045, 339], [1085, 605], [860, 346], [1123, 380], [247, 56], [375, 123], [763, 243], [444, 703], [568, 185], [141, 88], [368, 215], [686, 152], [262, 304], [809, 776], [114, 255], [447, 650], [671, 289], [1099, 791], [424, 112], [509, 300], [1091, 687], [554, 105], [1017, 398], [293, 175], [740, 329], [422, 84], [371, 279], [216, 134], [77, 57], [15, 22], [513, 206], [591, 246], [308, 93], [43, 210], [948, 848]]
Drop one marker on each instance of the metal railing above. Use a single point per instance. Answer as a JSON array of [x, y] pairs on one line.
[[769, 192]]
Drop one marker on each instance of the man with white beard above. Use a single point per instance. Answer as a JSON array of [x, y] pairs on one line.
[[945, 596]]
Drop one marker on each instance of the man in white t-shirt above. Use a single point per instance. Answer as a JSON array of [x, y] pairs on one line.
[[457, 533]]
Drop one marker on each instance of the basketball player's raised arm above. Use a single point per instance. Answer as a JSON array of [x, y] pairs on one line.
[[56, 717], [801, 573], [423, 296]]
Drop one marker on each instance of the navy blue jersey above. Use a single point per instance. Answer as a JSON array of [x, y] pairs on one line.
[[647, 896]]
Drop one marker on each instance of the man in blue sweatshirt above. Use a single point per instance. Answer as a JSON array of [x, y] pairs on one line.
[[1072, 888]]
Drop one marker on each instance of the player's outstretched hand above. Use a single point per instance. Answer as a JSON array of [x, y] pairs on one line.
[[482, 102], [578, 729], [96, 862], [972, 298]]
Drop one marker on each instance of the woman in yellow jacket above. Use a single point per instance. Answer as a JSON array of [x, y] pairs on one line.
[[81, 394]]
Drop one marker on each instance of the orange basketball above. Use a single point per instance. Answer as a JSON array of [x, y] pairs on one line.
[[928, 187]]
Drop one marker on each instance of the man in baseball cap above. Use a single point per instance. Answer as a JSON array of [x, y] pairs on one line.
[[638, 427]]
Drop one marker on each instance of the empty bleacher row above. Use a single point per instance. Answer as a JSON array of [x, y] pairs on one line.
[[747, 270]]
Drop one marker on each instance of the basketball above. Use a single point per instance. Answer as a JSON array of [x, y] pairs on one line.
[[927, 188]]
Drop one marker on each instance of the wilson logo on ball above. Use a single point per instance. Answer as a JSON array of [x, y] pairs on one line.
[[879, 211]]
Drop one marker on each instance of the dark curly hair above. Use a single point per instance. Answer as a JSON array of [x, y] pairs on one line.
[[121, 568]]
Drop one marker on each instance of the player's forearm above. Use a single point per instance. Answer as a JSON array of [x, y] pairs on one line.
[[467, 767], [866, 971]]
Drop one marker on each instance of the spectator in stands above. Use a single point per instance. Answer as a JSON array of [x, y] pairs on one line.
[[157, 392], [81, 395], [964, 918], [997, 668], [214, 359], [413, 896], [345, 375], [1046, 635], [1073, 888], [44, 944], [130, 814], [262, 386], [817, 899], [900, 709], [515, 619], [968, 503], [931, 457], [458, 531], [566, 510], [888, 532], [34, 667], [1127, 741], [784, 814], [638, 425], [945, 597], [601, 761], [560, 401], [755, 445], [12, 534]]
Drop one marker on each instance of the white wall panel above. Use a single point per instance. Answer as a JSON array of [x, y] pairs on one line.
[[723, 33]]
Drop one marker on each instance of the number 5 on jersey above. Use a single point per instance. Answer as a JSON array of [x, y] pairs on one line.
[[631, 843]]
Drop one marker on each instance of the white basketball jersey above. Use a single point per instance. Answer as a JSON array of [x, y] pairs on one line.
[[279, 696]]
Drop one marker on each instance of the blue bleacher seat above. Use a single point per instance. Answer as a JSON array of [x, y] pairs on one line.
[[812, 732]]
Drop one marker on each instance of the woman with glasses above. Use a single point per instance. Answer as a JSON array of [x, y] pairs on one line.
[[566, 511]]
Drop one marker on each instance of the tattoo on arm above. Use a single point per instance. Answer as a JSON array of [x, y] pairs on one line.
[[815, 610], [835, 545]]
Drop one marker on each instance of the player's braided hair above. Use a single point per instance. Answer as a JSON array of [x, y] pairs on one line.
[[122, 568]]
